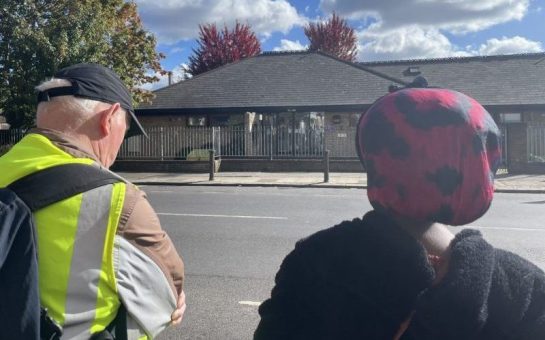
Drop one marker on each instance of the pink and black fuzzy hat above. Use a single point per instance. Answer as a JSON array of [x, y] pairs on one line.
[[430, 155]]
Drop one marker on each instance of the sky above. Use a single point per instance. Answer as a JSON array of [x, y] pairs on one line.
[[386, 29]]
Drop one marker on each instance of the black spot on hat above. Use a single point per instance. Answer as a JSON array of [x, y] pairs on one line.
[[374, 180], [478, 143], [379, 207], [492, 141], [446, 179], [490, 124], [489, 137], [463, 105], [380, 135], [443, 215], [438, 115]]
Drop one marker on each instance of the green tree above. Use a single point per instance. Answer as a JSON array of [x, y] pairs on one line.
[[334, 37], [38, 37]]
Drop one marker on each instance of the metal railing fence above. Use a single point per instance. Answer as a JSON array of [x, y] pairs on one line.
[[179, 142], [168, 142], [536, 142], [11, 136]]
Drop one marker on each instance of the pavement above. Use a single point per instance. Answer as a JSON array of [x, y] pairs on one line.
[[503, 182]]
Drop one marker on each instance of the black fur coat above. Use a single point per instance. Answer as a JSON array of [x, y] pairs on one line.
[[361, 279]]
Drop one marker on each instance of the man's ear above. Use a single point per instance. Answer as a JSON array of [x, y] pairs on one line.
[[106, 117]]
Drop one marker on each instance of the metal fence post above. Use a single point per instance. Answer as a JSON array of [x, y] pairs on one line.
[[271, 140], [211, 165], [162, 144], [326, 166], [214, 138]]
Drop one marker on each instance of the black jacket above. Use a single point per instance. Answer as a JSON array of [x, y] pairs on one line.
[[361, 279]]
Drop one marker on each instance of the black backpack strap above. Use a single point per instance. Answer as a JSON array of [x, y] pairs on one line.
[[54, 184]]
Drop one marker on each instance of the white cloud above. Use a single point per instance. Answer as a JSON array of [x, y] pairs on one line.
[[289, 45], [457, 16], [178, 75], [414, 42], [174, 21], [509, 46], [417, 28], [176, 50], [411, 42]]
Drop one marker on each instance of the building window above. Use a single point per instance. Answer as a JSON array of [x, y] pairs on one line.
[[197, 121], [336, 119], [507, 118], [412, 71]]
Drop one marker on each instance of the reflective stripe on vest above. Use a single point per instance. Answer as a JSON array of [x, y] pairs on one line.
[[75, 242], [84, 275]]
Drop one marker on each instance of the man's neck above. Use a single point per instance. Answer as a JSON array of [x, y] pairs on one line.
[[72, 144]]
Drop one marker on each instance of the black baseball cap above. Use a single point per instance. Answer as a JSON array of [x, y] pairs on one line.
[[95, 82]]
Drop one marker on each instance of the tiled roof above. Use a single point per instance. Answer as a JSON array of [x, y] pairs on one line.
[[275, 79], [517, 79], [296, 79]]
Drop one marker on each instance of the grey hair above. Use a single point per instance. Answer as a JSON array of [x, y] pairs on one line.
[[70, 103]]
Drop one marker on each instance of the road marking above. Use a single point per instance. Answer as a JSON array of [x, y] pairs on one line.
[[505, 228], [228, 216], [250, 303]]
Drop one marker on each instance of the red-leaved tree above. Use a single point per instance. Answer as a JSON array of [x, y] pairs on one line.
[[217, 48], [333, 37]]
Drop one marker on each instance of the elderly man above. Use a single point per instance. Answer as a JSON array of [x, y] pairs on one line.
[[104, 248]]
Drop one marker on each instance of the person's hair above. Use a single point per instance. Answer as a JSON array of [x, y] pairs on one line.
[[71, 103], [75, 110]]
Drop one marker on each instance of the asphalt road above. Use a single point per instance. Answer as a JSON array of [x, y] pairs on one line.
[[233, 240]]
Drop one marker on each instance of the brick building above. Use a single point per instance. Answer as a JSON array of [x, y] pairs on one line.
[[298, 104]]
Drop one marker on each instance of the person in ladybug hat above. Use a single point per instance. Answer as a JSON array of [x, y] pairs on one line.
[[398, 272]]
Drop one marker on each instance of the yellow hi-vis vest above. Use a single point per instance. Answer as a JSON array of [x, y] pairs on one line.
[[75, 241]]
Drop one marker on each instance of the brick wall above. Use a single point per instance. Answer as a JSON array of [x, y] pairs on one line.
[[287, 165], [340, 134], [163, 166], [314, 165]]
